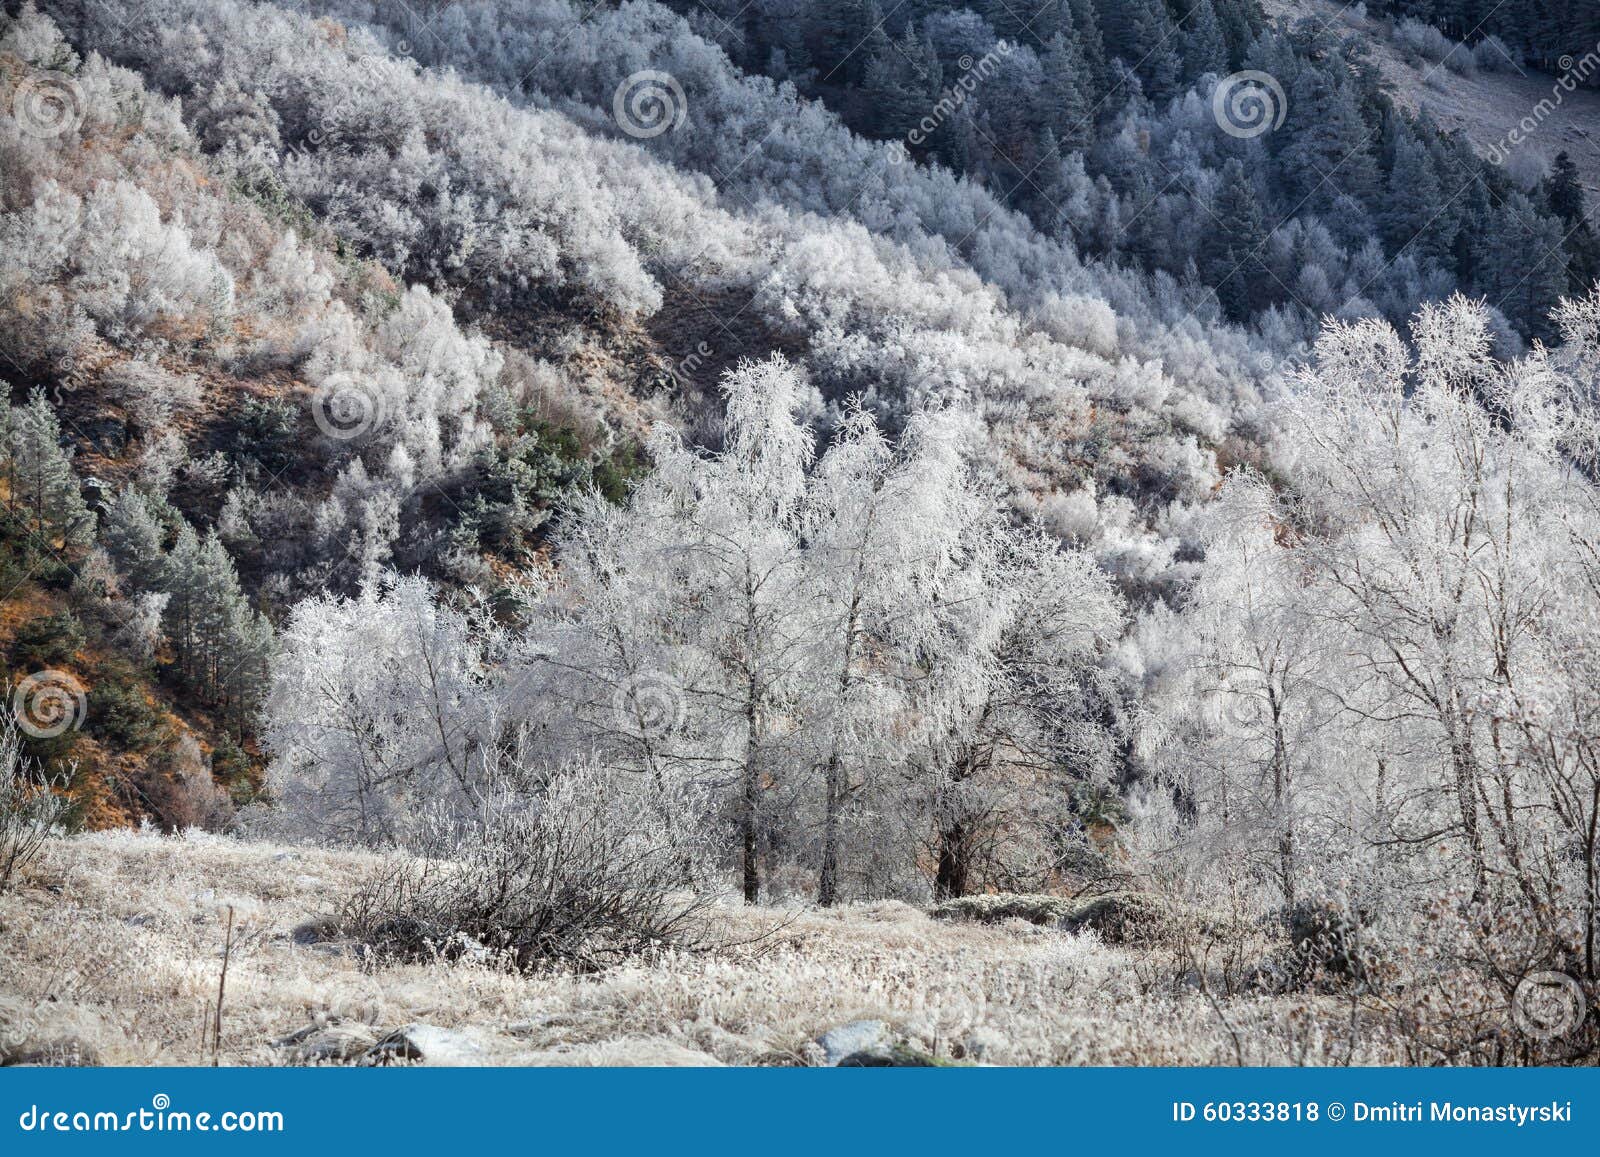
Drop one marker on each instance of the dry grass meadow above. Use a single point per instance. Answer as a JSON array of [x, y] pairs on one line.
[[114, 944]]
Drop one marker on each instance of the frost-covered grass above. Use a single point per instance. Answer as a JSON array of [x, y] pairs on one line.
[[114, 942]]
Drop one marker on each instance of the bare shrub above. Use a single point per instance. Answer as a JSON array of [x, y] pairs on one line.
[[179, 789], [1124, 917], [574, 872], [30, 810], [1459, 980]]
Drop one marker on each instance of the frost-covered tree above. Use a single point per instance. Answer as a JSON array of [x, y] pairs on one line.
[[1003, 722], [884, 530], [380, 711], [1384, 680], [809, 642], [1248, 712]]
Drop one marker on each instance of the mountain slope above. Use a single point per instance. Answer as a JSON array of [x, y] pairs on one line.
[[1488, 106]]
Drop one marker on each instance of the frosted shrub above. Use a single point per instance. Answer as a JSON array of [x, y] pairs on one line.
[[575, 870], [133, 268], [1491, 55], [378, 704], [1429, 43], [150, 393], [29, 809]]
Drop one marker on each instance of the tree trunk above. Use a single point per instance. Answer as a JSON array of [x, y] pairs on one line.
[[828, 880], [1466, 786], [748, 809], [1281, 800], [833, 780], [955, 856]]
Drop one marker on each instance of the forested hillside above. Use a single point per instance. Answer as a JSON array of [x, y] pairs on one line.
[[1106, 464], [1096, 123]]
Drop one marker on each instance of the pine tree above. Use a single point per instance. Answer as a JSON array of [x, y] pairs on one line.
[[183, 577], [1411, 209], [45, 491], [1239, 20], [900, 85], [1205, 48], [1328, 149], [1155, 47], [1008, 18], [219, 643], [1518, 266], [1564, 197], [1229, 255], [134, 537], [1092, 48], [844, 41], [1121, 30], [1066, 108]]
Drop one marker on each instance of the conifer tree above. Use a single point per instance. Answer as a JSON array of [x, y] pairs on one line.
[[45, 491], [1230, 255], [1067, 111], [1091, 46], [1205, 48], [1328, 152], [1411, 209], [1564, 197], [134, 537]]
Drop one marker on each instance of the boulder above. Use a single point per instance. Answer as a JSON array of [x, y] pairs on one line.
[[896, 1056], [870, 1044], [858, 1036], [426, 1044], [330, 1044]]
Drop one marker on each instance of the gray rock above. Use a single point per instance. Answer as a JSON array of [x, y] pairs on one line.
[[330, 1044], [871, 1044], [426, 1044], [896, 1056], [321, 930], [859, 1036]]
